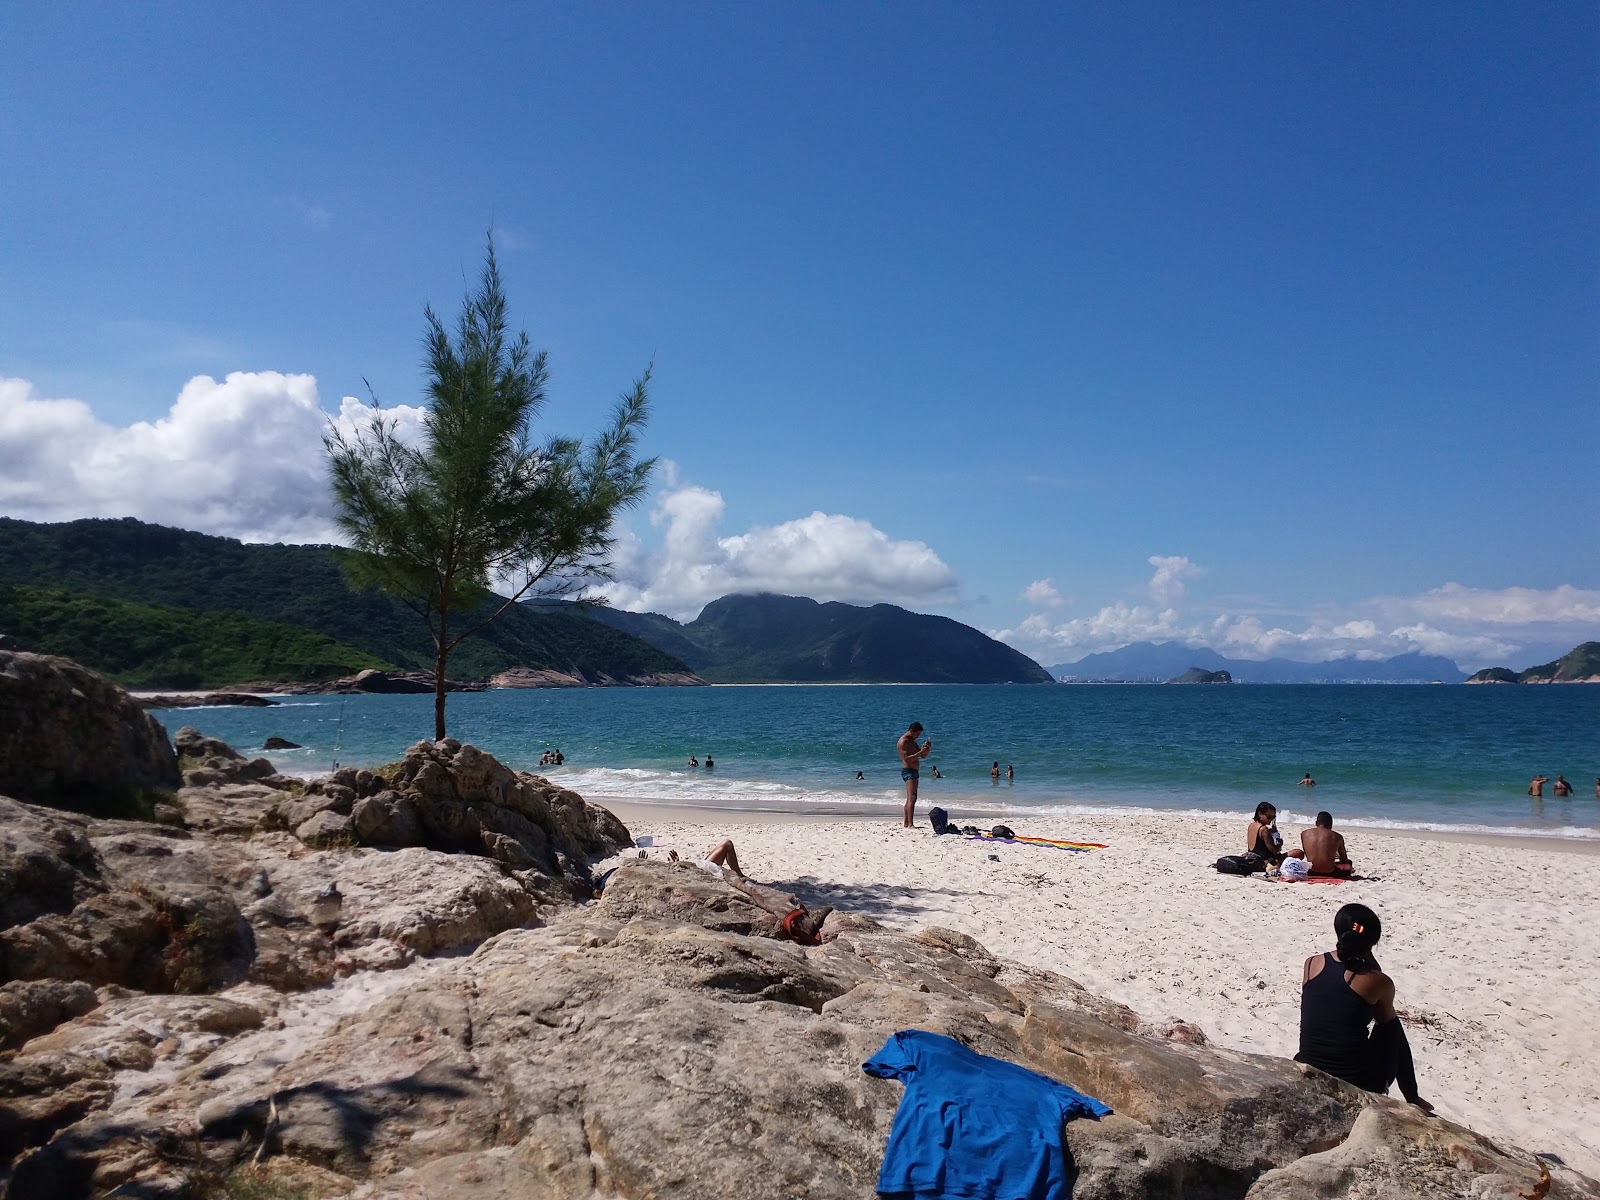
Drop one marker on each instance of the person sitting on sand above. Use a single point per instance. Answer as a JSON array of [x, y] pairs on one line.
[[1324, 849], [1536, 786], [1561, 787], [1341, 993], [1261, 836]]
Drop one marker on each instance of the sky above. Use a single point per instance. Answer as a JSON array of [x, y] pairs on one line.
[[1274, 328]]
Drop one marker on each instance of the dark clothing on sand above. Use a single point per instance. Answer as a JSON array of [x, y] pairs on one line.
[[1334, 1036]]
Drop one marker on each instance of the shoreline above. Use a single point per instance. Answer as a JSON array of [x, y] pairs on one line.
[[631, 811], [1489, 939]]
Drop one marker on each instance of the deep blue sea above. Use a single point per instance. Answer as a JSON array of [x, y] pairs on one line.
[[1441, 757]]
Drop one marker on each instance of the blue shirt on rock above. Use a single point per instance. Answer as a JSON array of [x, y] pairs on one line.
[[971, 1126]]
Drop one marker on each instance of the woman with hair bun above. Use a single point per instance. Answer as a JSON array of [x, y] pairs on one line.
[[1341, 993]]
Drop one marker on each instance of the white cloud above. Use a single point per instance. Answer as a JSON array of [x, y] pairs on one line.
[[1474, 627], [242, 458], [1172, 573], [826, 556], [1042, 593], [1564, 605]]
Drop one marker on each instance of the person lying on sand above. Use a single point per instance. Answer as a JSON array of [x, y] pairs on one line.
[[799, 922], [1261, 836], [1340, 994], [1325, 850]]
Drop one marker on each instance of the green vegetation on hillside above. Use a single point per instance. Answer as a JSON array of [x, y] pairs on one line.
[[790, 639], [1581, 662], [149, 646], [301, 586]]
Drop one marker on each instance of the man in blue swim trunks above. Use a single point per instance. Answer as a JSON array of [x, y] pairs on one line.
[[911, 756]]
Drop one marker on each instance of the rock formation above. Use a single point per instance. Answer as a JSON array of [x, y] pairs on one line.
[[530, 677], [71, 737], [206, 700]]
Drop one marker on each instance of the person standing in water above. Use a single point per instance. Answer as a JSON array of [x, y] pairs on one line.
[[911, 756], [1341, 993]]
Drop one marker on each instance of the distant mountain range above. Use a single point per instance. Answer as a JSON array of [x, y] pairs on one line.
[[790, 639], [1147, 662]]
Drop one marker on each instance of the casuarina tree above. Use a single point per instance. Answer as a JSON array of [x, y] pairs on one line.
[[475, 503]]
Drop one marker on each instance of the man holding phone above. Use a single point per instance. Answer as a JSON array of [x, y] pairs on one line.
[[911, 756]]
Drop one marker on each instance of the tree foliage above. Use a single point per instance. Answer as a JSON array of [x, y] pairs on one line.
[[476, 500]]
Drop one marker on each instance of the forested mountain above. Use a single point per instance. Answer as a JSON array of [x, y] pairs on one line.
[[790, 639], [284, 586], [1581, 664], [1159, 661]]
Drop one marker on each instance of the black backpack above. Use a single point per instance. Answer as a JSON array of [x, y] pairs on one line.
[[940, 820], [1240, 864], [1003, 832]]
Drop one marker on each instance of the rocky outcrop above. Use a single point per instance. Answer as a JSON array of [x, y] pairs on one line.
[[72, 738], [209, 761], [208, 700], [570, 1060], [455, 798], [533, 677]]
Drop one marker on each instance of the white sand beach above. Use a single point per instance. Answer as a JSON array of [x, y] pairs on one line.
[[1494, 945]]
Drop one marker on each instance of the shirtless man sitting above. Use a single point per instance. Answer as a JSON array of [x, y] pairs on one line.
[[1325, 849]]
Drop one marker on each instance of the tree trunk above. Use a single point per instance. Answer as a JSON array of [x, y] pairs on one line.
[[441, 654]]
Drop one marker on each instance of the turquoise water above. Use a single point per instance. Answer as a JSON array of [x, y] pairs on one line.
[[1405, 757]]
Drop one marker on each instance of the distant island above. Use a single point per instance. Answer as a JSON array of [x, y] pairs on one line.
[[1196, 675], [1159, 662], [791, 639], [1581, 664]]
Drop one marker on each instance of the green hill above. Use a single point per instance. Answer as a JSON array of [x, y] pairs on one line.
[[1581, 664], [148, 646], [790, 639], [301, 586]]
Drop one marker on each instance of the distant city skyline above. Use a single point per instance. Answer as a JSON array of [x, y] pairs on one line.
[[1268, 330]]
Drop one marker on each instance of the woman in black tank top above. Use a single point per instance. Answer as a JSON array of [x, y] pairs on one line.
[[1340, 995]]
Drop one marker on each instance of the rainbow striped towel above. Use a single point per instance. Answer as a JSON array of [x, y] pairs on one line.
[[1058, 843]]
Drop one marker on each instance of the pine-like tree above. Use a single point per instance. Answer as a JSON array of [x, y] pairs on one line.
[[475, 502]]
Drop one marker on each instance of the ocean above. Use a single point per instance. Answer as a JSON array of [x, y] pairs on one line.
[[1402, 757]]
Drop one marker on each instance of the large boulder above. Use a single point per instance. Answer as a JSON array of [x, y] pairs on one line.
[[72, 738], [455, 798]]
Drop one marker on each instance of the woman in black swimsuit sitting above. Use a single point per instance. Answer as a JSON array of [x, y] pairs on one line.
[[1340, 994], [1261, 836]]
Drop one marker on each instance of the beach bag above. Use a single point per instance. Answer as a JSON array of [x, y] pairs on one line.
[[1295, 868], [940, 820], [1002, 831], [1240, 864]]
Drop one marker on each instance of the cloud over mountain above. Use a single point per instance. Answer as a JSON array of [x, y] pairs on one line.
[[241, 457], [826, 556], [1475, 627]]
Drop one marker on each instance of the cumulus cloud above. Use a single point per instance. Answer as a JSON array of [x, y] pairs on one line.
[[826, 556], [1564, 605], [1173, 571], [241, 457], [1042, 593]]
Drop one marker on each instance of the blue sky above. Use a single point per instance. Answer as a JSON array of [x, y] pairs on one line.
[[1272, 327]]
